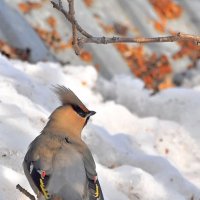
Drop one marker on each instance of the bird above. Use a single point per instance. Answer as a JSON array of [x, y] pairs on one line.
[[58, 163]]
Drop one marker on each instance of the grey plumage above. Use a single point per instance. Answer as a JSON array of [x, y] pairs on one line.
[[58, 164], [67, 97]]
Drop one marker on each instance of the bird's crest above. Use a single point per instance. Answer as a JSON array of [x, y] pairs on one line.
[[67, 97]]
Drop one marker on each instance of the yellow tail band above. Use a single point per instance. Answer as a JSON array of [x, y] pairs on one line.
[[97, 191], [44, 190]]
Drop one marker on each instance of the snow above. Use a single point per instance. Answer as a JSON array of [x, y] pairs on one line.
[[146, 147], [177, 104]]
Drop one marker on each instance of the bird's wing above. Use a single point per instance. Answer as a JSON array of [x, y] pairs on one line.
[[95, 192], [26, 166], [94, 188], [37, 177]]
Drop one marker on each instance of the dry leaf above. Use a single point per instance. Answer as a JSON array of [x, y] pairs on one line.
[[89, 2], [28, 6], [150, 68], [160, 26], [52, 22], [52, 39], [86, 56], [14, 53], [190, 50], [167, 9]]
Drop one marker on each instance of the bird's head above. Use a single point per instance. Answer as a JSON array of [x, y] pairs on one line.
[[72, 115]]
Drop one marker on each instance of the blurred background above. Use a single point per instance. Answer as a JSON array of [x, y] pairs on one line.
[[32, 30], [145, 135]]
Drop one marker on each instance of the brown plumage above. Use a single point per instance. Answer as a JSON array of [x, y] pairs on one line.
[[64, 120]]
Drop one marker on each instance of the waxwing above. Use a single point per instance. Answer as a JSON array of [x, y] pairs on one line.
[[58, 164]]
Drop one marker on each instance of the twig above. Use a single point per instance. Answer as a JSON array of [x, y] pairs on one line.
[[74, 29], [79, 28], [88, 38], [172, 38], [25, 192]]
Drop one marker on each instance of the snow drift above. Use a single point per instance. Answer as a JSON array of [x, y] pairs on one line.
[[138, 157]]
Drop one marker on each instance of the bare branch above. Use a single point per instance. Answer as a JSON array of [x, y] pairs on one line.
[[88, 38], [74, 29], [171, 38], [79, 28], [25, 192]]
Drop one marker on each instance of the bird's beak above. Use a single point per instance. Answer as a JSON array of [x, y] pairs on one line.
[[90, 113]]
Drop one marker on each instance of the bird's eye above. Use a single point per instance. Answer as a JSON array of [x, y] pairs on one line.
[[79, 111]]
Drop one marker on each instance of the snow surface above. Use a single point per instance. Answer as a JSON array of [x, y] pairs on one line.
[[138, 157]]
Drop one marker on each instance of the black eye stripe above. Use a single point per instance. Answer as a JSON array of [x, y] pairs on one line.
[[79, 111]]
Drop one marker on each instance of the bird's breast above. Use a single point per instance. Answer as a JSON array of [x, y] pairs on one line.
[[68, 178]]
